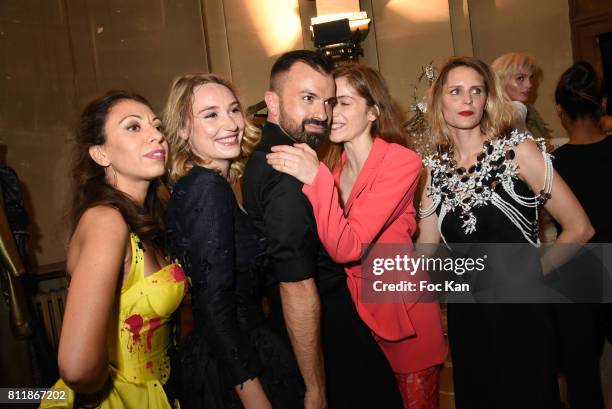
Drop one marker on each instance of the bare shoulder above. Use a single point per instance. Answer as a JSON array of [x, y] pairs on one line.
[[527, 150], [531, 161], [528, 157], [103, 221], [102, 231]]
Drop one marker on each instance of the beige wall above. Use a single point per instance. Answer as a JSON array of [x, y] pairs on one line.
[[247, 36], [541, 28], [37, 104], [56, 54], [408, 35]]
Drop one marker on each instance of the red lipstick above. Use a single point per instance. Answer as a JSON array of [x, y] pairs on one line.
[[466, 113]]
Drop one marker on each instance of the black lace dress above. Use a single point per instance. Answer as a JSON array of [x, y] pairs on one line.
[[503, 354], [222, 254]]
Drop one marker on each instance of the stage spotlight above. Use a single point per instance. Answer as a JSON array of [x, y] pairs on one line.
[[338, 36]]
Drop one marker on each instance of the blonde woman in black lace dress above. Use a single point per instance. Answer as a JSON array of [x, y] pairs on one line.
[[487, 186]]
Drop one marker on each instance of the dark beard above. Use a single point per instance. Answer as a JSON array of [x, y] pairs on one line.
[[299, 134]]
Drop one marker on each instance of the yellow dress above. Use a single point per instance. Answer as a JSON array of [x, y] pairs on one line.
[[138, 348]]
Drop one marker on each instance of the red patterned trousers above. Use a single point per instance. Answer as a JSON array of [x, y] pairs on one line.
[[420, 390]]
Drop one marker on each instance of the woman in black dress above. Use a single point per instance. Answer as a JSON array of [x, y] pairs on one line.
[[229, 360], [582, 162], [486, 186]]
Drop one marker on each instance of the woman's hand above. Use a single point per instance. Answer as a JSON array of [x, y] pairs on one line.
[[299, 161], [252, 395]]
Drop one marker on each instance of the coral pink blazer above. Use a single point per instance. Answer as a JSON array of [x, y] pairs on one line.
[[379, 209]]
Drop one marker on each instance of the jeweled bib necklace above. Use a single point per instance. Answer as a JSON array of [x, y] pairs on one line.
[[455, 187]]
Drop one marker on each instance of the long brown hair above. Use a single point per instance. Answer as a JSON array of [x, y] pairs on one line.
[[371, 86], [89, 184], [498, 114], [178, 117]]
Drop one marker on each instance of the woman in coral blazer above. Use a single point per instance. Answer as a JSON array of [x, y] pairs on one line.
[[368, 199]]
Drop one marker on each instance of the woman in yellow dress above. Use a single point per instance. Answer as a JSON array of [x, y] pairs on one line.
[[117, 328]]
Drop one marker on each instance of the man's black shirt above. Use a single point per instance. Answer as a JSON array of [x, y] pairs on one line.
[[283, 214], [358, 376]]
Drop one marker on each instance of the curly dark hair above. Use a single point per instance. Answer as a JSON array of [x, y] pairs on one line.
[[89, 185]]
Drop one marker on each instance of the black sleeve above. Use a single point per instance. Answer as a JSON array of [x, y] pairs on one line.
[[206, 217], [291, 231]]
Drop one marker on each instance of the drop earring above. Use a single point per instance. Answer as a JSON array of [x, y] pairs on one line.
[[114, 183]]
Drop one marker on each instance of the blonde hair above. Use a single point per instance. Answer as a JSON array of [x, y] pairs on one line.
[[497, 116], [511, 63], [177, 118]]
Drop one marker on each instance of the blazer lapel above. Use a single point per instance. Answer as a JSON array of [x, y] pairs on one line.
[[368, 172]]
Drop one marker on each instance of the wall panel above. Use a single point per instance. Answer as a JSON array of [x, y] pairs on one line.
[[540, 28], [409, 35]]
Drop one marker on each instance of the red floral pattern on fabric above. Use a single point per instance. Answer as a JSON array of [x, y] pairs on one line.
[[420, 390]]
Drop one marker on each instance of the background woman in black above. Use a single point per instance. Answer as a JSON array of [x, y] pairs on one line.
[[584, 165], [581, 162], [229, 360]]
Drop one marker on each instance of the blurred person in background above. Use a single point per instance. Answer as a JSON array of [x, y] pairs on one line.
[[584, 164]]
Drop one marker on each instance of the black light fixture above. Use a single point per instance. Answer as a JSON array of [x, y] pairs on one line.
[[332, 32], [338, 36]]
